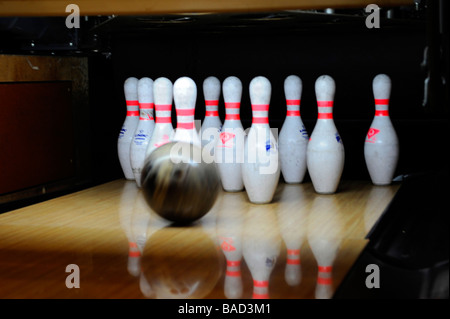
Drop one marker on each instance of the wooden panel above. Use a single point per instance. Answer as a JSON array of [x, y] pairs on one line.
[[28, 68], [124, 250], [36, 134], [107, 7]]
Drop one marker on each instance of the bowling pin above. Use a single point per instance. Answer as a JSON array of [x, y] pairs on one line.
[[325, 151], [229, 150], [144, 129], [381, 147], [211, 124], [260, 170], [129, 126], [293, 138], [163, 131], [185, 95]]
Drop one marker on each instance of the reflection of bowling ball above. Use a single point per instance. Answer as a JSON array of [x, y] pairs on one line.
[[178, 184], [181, 262]]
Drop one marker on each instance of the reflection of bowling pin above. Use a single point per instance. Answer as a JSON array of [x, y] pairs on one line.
[[260, 170], [211, 124], [129, 126], [325, 151], [185, 95], [163, 131], [292, 214], [144, 129], [324, 232], [229, 152], [126, 207], [293, 138], [381, 148], [230, 222], [261, 247]]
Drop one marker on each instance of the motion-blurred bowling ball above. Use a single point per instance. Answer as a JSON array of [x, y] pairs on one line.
[[178, 184]]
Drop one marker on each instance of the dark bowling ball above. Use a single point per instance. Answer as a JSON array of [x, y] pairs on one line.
[[177, 184]]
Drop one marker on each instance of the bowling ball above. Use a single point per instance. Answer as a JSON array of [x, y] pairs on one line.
[[178, 184]]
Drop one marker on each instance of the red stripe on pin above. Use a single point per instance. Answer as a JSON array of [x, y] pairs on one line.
[[211, 102], [292, 102], [233, 263], [232, 117], [146, 105], [134, 254], [232, 105], [145, 118], [382, 113], [382, 101], [324, 281], [260, 283], [185, 112], [293, 251], [186, 126], [235, 273], [260, 107], [163, 119], [212, 113], [325, 103], [293, 113], [260, 120], [291, 261], [132, 103], [163, 107], [325, 116], [325, 268], [260, 296], [132, 113]]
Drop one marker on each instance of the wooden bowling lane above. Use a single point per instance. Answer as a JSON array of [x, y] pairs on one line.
[[299, 246]]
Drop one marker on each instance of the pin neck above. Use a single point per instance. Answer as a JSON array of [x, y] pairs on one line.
[[185, 118], [260, 114], [163, 113], [325, 110], [146, 111], [232, 111], [132, 108], [381, 107]]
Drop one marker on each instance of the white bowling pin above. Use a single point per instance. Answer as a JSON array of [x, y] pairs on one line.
[[185, 95], [260, 170], [229, 150], [163, 131], [129, 126], [325, 152], [144, 129], [381, 148], [293, 138], [211, 125]]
